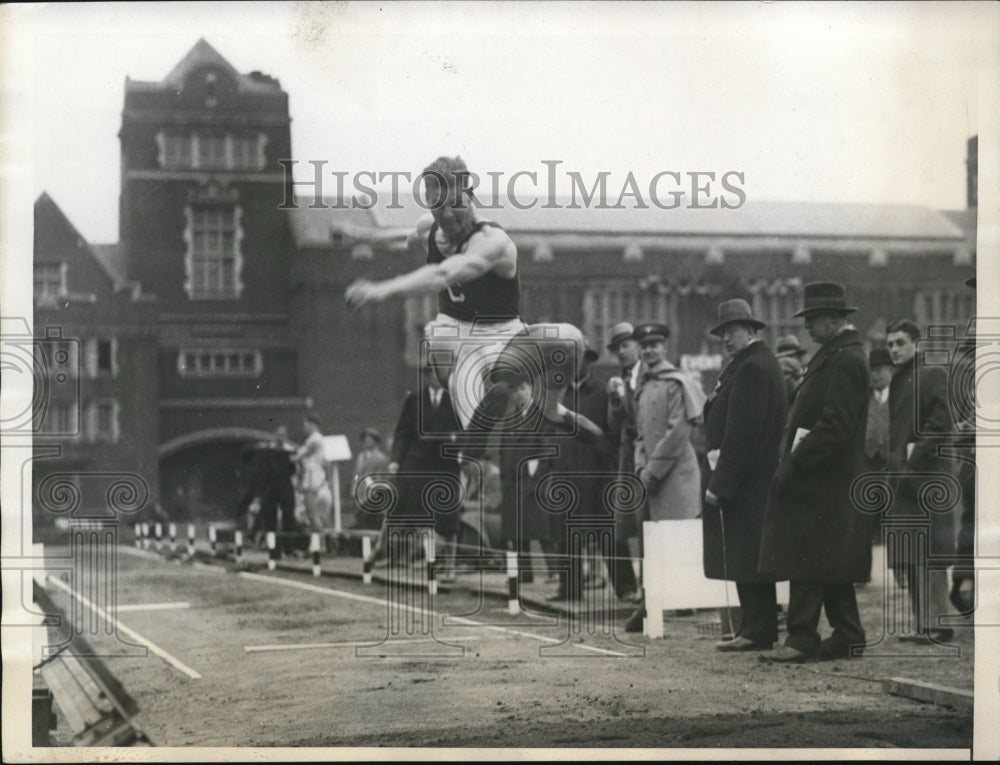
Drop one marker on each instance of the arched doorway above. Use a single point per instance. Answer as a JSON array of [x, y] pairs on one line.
[[202, 473]]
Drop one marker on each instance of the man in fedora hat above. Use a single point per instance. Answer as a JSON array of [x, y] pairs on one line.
[[744, 421], [812, 534], [621, 427]]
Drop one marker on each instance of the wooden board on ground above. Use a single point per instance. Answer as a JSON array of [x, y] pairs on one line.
[[930, 693]]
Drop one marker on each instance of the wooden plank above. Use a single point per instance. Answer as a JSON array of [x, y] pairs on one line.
[[931, 693]]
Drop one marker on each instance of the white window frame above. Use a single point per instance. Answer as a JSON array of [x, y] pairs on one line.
[[943, 305], [196, 293], [191, 159], [47, 297], [91, 356], [206, 366], [619, 300], [93, 420]]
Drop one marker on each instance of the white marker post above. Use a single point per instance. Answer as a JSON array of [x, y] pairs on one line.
[[366, 559], [238, 541], [212, 538], [138, 535], [158, 528], [272, 544], [145, 536], [315, 543], [513, 606], [173, 537], [432, 585], [336, 449], [191, 539]]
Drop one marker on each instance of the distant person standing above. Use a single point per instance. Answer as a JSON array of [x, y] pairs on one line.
[[371, 461], [312, 477], [744, 423], [919, 422], [789, 354]]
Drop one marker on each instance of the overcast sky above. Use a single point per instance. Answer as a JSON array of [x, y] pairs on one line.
[[825, 102]]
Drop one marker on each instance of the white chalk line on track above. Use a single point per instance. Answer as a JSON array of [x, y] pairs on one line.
[[151, 606], [453, 619], [174, 662], [349, 644]]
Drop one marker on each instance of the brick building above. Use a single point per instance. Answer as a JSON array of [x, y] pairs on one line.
[[219, 314]]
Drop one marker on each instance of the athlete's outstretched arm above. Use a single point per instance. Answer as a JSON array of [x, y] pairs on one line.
[[486, 249]]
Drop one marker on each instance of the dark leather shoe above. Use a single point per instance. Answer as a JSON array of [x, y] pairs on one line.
[[741, 645], [830, 649], [634, 622], [783, 654]]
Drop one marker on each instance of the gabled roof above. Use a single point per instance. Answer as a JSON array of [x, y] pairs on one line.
[[966, 221], [754, 219], [112, 260], [203, 54]]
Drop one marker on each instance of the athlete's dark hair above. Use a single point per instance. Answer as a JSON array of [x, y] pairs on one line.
[[904, 325]]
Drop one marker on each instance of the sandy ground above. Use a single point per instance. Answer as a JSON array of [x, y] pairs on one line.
[[524, 681]]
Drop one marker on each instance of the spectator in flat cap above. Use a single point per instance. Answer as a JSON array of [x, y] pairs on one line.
[[744, 422], [668, 403], [812, 534], [790, 354], [788, 345], [371, 461]]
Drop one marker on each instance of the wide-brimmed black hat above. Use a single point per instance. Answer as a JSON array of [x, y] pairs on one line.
[[788, 345], [825, 296], [879, 357], [735, 312], [651, 330], [620, 332]]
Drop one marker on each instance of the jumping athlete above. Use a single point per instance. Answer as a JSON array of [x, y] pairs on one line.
[[472, 266]]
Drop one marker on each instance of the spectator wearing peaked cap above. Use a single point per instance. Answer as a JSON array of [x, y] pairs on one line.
[[371, 461]]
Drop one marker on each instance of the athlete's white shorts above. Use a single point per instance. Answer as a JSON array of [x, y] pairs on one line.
[[470, 348]]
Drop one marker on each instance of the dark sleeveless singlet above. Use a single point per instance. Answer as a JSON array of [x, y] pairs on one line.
[[489, 298]]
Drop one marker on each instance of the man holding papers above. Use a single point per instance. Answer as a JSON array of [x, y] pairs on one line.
[[744, 420], [813, 535]]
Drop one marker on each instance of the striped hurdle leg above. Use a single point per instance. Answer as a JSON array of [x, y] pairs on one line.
[[272, 551], [366, 559], [158, 531], [145, 536], [190, 542], [315, 544], [238, 542], [513, 601], [212, 538], [138, 535], [173, 537]]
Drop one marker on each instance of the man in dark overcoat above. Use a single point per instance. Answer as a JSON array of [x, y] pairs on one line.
[[744, 422], [424, 453], [919, 422], [813, 535]]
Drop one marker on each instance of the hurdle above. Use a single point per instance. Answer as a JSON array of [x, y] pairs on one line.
[[513, 604], [138, 535], [190, 539], [238, 542], [272, 551], [366, 559], [212, 538], [315, 544], [145, 536], [172, 529], [158, 531]]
